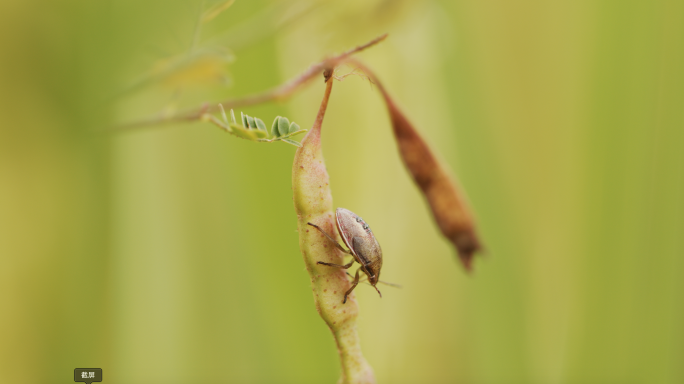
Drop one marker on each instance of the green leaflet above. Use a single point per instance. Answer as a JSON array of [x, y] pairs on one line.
[[250, 121], [295, 143], [254, 129], [260, 125], [274, 127], [294, 127], [283, 125]]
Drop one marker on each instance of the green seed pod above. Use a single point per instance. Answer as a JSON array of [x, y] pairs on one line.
[[313, 203]]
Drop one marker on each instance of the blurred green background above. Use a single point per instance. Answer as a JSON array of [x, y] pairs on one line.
[[170, 254]]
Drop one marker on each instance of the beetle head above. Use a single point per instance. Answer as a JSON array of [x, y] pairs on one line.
[[373, 277]]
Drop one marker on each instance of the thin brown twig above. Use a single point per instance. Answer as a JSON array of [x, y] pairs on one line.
[[278, 93]]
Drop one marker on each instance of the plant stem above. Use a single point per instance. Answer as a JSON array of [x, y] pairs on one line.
[[313, 203], [278, 93]]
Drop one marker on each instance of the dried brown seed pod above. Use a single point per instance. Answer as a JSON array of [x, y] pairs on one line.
[[448, 203]]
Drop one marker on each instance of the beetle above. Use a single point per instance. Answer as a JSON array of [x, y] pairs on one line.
[[362, 244]]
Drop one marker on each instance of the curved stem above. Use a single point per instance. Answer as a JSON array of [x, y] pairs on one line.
[[281, 92]]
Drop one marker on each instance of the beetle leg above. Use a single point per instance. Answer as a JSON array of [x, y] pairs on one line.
[[346, 266], [379, 281], [331, 239], [363, 279], [354, 283]]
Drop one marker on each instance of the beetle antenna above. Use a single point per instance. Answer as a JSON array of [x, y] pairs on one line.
[[390, 284]]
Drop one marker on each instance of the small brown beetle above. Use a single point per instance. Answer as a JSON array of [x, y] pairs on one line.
[[362, 245]]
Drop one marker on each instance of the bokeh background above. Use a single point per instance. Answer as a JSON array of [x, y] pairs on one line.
[[170, 254]]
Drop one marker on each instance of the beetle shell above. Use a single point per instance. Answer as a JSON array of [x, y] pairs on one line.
[[360, 240]]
